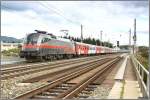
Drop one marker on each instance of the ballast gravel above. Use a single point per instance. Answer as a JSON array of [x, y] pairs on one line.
[[101, 92], [12, 88]]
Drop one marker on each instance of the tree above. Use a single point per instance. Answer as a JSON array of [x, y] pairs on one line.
[[91, 41]]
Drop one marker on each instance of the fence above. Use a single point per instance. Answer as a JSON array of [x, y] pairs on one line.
[[142, 76]]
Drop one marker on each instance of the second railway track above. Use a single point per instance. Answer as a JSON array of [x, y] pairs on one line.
[[62, 87], [18, 71]]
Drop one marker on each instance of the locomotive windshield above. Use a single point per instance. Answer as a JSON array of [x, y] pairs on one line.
[[32, 38]]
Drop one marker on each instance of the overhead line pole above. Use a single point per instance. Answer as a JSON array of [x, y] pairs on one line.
[[130, 40], [81, 33], [134, 37], [101, 36]]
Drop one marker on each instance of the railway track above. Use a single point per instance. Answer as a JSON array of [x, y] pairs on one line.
[[55, 75], [18, 71], [23, 64], [10, 66], [9, 69], [61, 86]]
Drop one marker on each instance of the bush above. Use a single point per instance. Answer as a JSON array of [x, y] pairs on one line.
[[143, 51], [11, 52]]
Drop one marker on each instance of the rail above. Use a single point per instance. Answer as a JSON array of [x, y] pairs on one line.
[[142, 76]]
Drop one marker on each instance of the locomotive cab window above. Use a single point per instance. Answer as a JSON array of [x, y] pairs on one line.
[[32, 39]]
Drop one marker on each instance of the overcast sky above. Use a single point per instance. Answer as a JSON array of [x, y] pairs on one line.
[[114, 18]]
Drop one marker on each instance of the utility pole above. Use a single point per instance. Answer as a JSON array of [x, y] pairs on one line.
[[101, 32], [130, 40], [134, 37], [81, 33]]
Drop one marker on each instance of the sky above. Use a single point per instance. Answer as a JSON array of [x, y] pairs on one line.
[[114, 18]]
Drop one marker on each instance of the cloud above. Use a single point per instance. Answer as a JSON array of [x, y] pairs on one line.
[[113, 17], [14, 6], [136, 4]]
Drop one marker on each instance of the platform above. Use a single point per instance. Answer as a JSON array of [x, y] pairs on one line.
[[131, 90], [116, 90], [121, 71], [125, 87]]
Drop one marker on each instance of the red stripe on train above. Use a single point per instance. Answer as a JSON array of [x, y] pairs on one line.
[[66, 48]]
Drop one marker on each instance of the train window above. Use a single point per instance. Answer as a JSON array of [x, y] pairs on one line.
[[53, 36], [45, 40], [32, 38]]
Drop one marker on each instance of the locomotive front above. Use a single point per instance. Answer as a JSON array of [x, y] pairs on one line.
[[30, 48]]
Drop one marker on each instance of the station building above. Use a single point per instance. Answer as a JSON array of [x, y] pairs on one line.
[[7, 46]]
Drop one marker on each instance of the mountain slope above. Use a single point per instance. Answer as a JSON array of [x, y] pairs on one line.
[[7, 39]]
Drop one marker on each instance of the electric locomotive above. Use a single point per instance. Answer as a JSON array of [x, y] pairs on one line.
[[42, 45]]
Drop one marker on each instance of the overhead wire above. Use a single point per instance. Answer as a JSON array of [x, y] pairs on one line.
[[50, 7], [58, 13]]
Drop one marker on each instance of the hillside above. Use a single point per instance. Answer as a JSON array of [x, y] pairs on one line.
[[7, 39]]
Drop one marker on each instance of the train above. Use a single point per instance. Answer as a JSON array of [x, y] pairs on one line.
[[45, 46]]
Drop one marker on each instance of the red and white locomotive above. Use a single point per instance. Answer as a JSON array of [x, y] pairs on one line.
[[41, 45]]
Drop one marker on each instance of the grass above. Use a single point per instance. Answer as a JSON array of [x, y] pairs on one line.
[[11, 52], [142, 60]]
